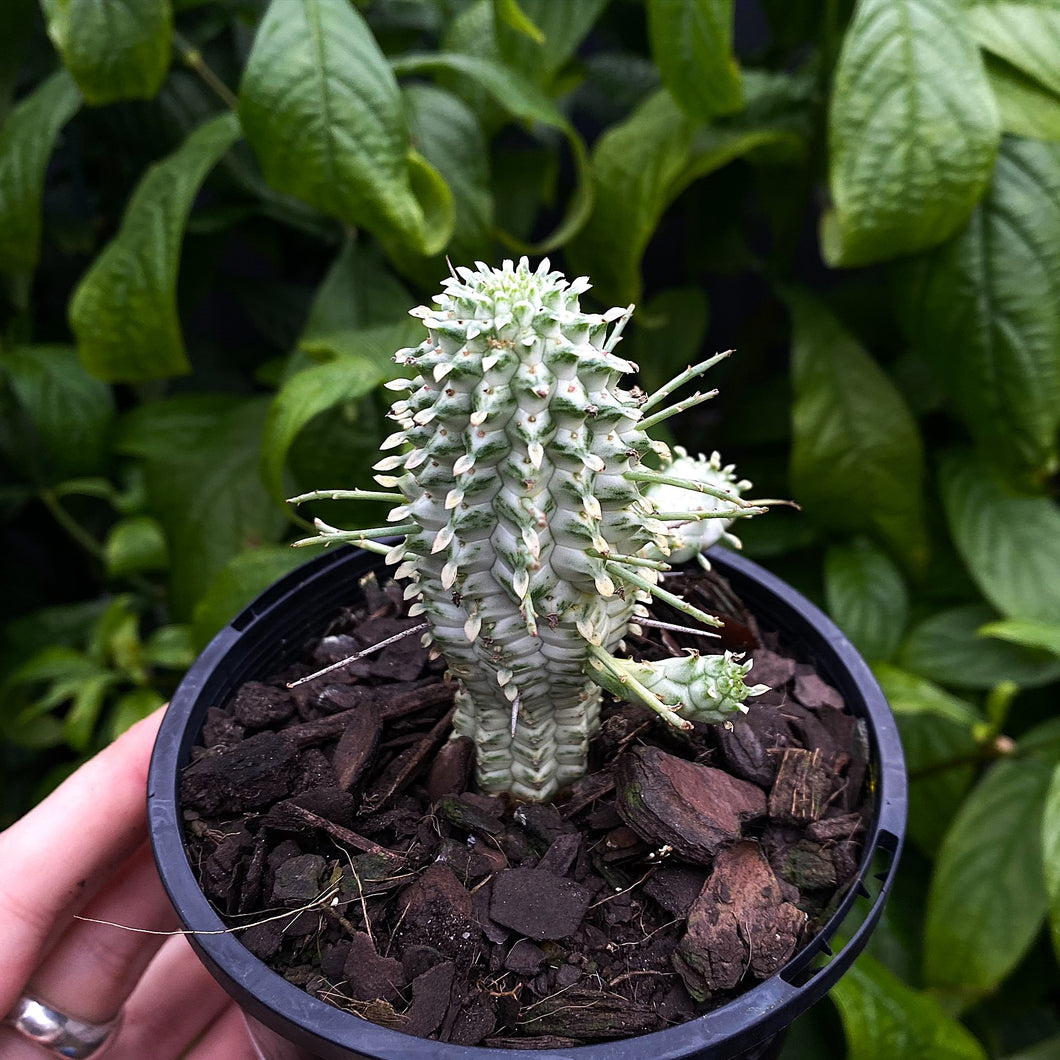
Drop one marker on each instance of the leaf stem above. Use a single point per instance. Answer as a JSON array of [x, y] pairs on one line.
[[192, 58], [70, 524]]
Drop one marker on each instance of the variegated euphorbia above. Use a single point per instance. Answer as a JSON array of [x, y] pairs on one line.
[[533, 531]]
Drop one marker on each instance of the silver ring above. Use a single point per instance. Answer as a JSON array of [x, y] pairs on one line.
[[54, 1030]]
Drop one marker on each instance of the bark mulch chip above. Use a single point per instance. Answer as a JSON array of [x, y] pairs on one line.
[[682, 870]]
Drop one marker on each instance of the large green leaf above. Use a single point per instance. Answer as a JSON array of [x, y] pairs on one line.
[[1009, 542], [987, 900], [691, 42], [1026, 107], [522, 99], [17, 19], [1051, 856], [71, 412], [857, 462], [639, 167], [1026, 33], [562, 24], [884, 1019], [26, 141], [867, 597], [936, 728], [951, 647], [205, 488], [323, 113], [241, 579], [124, 311], [981, 309], [115, 49], [448, 134], [913, 130], [1026, 632]]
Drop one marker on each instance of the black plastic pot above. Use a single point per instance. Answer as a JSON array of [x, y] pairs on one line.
[[276, 626]]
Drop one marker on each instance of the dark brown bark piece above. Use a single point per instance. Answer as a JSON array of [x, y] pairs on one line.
[[370, 976], [403, 769], [751, 746], [525, 958], [260, 706], [450, 772], [298, 880], [696, 810], [436, 911], [431, 996], [356, 747], [803, 785], [248, 776], [739, 924], [538, 904], [811, 690], [584, 1013], [675, 887]]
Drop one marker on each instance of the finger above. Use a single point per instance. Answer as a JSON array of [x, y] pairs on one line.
[[174, 1003], [227, 1039], [94, 967], [63, 850]]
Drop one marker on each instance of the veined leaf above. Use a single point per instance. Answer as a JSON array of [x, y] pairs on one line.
[[950, 648], [206, 490], [1026, 33], [857, 462], [124, 311], [523, 100], [241, 579], [867, 597], [1026, 107], [913, 131], [987, 900], [27, 137], [1051, 855], [980, 308], [691, 41], [936, 727], [639, 167], [323, 113], [115, 49], [1010, 543], [71, 411], [1026, 632], [884, 1019], [449, 135], [563, 25]]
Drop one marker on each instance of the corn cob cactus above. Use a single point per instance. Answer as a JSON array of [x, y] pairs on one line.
[[532, 533]]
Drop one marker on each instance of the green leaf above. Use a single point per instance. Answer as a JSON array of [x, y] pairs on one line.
[[639, 167], [115, 49], [949, 648], [980, 308], [1051, 856], [1044, 1050], [17, 22], [913, 131], [1026, 108], [563, 25], [514, 16], [987, 900], [27, 138], [71, 412], [170, 647], [135, 545], [856, 462], [83, 715], [165, 429], [307, 394], [1010, 543], [244, 577], [323, 113], [525, 101], [936, 728], [124, 311], [1026, 33], [691, 42], [866, 596], [448, 133], [884, 1019], [209, 496], [132, 707], [1028, 633]]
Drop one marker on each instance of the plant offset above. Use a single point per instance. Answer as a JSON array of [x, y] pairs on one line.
[[533, 531]]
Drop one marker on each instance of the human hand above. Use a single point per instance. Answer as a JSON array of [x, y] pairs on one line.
[[83, 851]]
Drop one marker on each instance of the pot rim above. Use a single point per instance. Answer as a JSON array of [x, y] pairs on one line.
[[276, 617]]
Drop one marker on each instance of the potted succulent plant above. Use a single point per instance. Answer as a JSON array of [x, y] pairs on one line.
[[535, 519]]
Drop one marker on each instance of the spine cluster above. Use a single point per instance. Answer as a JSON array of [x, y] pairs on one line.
[[531, 535]]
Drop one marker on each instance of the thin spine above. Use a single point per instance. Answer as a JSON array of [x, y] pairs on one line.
[[667, 597], [682, 406], [686, 376]]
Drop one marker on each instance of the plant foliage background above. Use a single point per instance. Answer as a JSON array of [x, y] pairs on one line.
[[215, 214]]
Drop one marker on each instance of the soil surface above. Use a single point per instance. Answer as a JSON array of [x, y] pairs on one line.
[[336, 826]]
